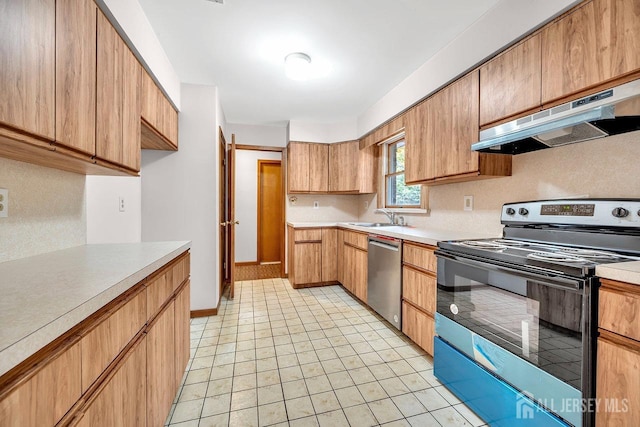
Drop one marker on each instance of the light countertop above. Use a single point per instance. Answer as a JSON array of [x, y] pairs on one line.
[[623, 272], [44, 296], [419, 235]]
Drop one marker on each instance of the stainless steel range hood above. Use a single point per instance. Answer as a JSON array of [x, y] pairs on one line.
[[609, 112]]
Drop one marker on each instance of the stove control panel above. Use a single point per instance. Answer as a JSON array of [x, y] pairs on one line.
[[586, 212]]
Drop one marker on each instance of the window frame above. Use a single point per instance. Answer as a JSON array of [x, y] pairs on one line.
[[387, 145]]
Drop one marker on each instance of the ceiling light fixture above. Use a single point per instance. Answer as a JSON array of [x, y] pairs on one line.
[[297, 66]]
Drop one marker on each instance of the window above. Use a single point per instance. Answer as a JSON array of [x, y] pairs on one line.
[[397, 193]]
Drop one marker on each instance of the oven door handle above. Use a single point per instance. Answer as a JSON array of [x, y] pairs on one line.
[[556, 282]]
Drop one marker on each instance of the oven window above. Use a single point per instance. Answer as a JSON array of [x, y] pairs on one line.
[[539, 323]]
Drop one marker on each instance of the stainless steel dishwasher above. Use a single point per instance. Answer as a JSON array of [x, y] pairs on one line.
[[384, 286]]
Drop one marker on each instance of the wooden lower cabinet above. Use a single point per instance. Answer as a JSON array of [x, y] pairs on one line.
[[419, 289], [329, 254], [419, 326], [121, 401], [161, 385], [312, 257], [46, 396], [307, 263], [183, 336], [355, 271]]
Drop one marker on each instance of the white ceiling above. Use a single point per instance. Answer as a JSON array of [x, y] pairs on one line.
[[365, 47]]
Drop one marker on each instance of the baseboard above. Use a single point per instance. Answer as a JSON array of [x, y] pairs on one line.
[[315, 285], [204, 313]]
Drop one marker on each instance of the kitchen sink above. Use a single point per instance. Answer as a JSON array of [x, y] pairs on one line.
[[371, 224]]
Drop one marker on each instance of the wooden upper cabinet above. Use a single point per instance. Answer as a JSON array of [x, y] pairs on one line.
[[76, 75], [510, 84], [368, 169], [27, 74], [595, 43], [131, 98], [318, 168], [160, 119], [298, 167], [419, 143], [352, 170]]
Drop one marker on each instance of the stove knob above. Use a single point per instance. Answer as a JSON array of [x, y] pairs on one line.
[[620, 212], [523, 211], [511, 211]]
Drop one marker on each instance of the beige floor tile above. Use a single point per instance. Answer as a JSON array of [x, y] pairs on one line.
[[381, 371], [307, 357], [221, 386], [287, 361], [385, 411], [202, 363], [224, 359], [272, 414], [449, 397], [325, 402], [303, 346], [215, 405], [299, 407], [244, 382], [267, 364], [333, 365], [469, 415], [340, 379], [430, 378], [244, 418], [245, 356], [409, 405], [371, 359], [285, 349], [218, 372], [244, 399], [270, 394], [400, 367], [264, 342], [393, 386], [291, 374], [294, 389], [312, 370], [372, 391], [268, 378], [244, 368], [362, 375], [449, 417], [215, 420], [318, 384], [349, 396], [246, 345], [189, 410], [193, 392], [198, 376], [326, 354], [423, 420], [397, 423], [311, 421], [389, 355], [360, 416], [335, 418], [431, 399]]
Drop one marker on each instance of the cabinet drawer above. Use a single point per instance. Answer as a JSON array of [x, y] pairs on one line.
[[418, 326], [308, 235], [159, 290], [181, 271], [359, 240], [102, 344], [619, 312], [420, 256], [419, 288], [46, 396]]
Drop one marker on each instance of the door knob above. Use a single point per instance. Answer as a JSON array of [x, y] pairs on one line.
[[236, 222], [224, 224]]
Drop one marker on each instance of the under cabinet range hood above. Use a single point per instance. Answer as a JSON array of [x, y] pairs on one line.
[[605, 113]]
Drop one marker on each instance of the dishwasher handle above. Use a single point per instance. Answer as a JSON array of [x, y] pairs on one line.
[[387, 246]]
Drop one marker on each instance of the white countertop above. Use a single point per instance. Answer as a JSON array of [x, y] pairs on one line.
[[419, 235], [623, 272], [44, 296]]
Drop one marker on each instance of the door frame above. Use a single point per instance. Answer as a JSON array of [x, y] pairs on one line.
[[222, 209], [282, 242], [283, 173]]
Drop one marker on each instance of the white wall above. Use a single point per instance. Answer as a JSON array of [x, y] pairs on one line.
[[601, 168], [265, 136], [46, 210], [180, 191], [247, 202], [134, 24], [105, 222], [505, 22], [323, 132]]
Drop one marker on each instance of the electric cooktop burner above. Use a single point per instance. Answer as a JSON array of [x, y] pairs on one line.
[[512, 243], [482, 244], [554, 256], [588, 253]]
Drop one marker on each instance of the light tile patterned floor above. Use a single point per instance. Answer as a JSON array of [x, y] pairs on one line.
[[309, 357]]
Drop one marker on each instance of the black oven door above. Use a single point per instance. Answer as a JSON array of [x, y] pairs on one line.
[[541, 318]]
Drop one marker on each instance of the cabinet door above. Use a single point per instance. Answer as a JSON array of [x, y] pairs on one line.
[[319, 168], [308, 263], [348, 275], [298, 167], [511, 82], [149, 100], [27, 74], [456, 127], [329, 254], [360, 274], [122, 400], [368, 170], [161, 374], [418, 326], [182, 316], [335, 166], [419, 288], [593, 44], [131, 110], [46, 396], [76, 74], [419, 143], [349, 167], [110, 53], [340, 256], [617, 379]]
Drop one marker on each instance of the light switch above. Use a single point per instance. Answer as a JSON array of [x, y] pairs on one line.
[[468, 203]]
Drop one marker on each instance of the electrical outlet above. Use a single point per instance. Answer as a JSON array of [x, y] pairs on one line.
[[468, 203], [121, 205], [316, 204], [4, 203]]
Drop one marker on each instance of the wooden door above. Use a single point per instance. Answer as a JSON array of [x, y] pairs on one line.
[[27, 75], [161, 387], [318, 168], [298, 167], [76, 74], [231, 194], [223, 190], [270, 214], [595, 43], [511, 83]]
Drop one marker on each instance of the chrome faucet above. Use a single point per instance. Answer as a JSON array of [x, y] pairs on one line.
[[389, 214]]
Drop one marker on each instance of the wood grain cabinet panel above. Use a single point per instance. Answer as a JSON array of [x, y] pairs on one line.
[[159, 289], [340, 256], [121, 400], [595, 43], [27, 74], [419, 143], [161, 373], [46, 396], [419, 289], [102, 344], [511, 82], [360, 269], [619, 312], [308, 263], [418, 326], [359, 240], [318, 168], [131, 110], [421, 257], [76, 74], [329, 255], [308, 235], [182, 338], [298, 167], [159, 128]]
